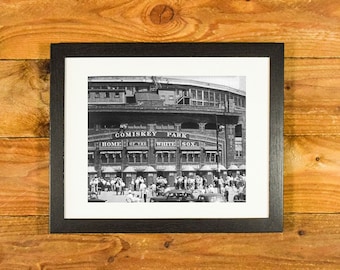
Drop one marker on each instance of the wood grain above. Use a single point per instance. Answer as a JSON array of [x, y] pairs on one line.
[[28, 27], [311, 97], [26, 243], [310, 30], [24, 172], [24, 98], [311, 174], [310, 180]]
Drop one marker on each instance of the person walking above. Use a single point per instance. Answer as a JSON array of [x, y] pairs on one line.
[[143, 191]]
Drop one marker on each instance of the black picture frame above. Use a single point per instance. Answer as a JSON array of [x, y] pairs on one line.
[[61, 224]]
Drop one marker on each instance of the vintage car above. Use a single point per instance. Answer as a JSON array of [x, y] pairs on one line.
[[241, 197], [211, 197], [93, 197], [175, 195]]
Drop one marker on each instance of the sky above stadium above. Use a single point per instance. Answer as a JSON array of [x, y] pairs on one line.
[[238, 82]]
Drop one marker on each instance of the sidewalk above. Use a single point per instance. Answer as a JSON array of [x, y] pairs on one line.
[[110, 196]]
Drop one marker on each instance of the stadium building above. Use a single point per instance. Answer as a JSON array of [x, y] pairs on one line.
[[161, 126]]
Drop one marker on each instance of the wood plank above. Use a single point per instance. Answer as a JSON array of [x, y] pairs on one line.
[[24, 174], [24, 98], [311, 97], [309, 241], [28, 27], [311, 173]]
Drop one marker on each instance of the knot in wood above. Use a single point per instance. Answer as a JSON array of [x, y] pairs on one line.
[[301, 232], [162, 14]]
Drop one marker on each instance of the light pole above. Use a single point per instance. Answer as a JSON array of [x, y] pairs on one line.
[[218, 129]]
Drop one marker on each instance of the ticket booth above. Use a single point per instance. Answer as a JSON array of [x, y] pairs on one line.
[[129, 174]]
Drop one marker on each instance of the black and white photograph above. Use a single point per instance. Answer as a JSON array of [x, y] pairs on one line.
[[167, 139]]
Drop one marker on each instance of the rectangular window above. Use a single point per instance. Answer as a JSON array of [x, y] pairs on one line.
[[218, 97], [211, 94], [145, 157], [138, 158], [193, 94], [166, 157], [90, 158], [172, 157], [199, 94], [159, 157], [117, 158], [223, 98], [238, 147], [206, 95], [190, 157]]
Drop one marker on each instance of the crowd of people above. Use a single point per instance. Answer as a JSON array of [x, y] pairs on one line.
[[232, 187]]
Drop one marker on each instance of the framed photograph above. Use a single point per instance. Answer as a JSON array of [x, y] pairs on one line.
[[166, 137]]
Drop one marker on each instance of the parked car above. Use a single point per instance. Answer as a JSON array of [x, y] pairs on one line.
[[241, 197], [211, 197], [93, 197], [174, 195]]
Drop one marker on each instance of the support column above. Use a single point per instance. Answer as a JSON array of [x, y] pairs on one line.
[[152, 152], [97, 160], [179, 161], [230, 144]]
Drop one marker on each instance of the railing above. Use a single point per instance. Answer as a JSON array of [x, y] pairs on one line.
[[157, 108]]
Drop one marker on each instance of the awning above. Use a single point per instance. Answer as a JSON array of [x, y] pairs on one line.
[[212, 167], [166, 168], [150, 169], [129, 169], [90, 169], [233, 168], [206, 168], [242, 167], [188, 168], [108, 169], [220, 167]]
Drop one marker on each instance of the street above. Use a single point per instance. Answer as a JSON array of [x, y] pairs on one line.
[[110, 196]]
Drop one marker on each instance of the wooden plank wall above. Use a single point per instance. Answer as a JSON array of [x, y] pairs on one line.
[[310, 30]]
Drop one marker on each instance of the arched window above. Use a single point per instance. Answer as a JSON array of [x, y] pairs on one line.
[[190, 125], [109, 124]]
